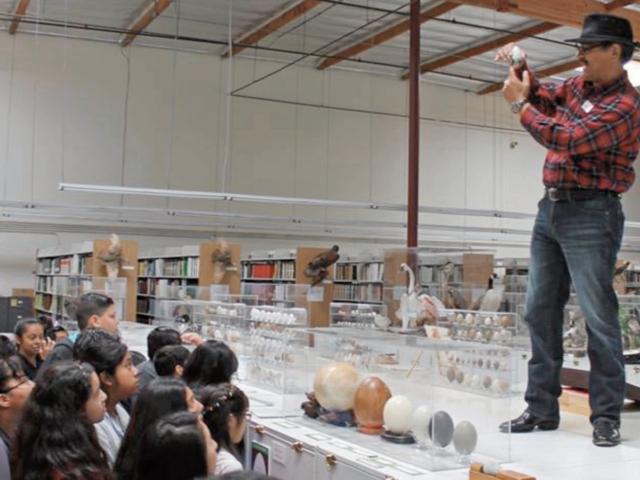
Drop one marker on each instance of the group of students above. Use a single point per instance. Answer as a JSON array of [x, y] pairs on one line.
[[80, 408]]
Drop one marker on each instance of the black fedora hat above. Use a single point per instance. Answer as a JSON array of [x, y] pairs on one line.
[[601, 27]]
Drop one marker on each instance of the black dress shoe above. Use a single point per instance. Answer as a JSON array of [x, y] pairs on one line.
[[527, 422], [605, 434]]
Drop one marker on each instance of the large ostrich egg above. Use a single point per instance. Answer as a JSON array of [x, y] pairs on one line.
[[335, 385]]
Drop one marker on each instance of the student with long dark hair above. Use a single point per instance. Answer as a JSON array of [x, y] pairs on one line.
[[118, 378], [91, 310], [225, 413], [56, 439], [15, 388], [160, 398], [33, 347], [211, 363], [176, 447]]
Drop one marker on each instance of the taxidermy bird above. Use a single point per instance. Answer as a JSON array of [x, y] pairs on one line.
[[492, 299], [575, 336], [451, 297], [318, 268], [221, 259], [112, 258], [415, 311]]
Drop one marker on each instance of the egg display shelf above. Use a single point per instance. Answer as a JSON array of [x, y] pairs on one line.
[[497, 328]]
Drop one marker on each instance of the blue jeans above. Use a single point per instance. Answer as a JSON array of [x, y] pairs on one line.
[[575, 241]]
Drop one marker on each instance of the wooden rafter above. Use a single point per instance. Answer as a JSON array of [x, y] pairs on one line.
[[18, 13], [151, 12], [288, 15], [386, 35], [545, 72], [484, 47], [569, 13]]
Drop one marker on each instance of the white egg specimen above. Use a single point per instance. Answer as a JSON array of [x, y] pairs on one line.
[[420, 424], [397, 414]]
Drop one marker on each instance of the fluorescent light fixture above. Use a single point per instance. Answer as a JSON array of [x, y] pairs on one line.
[[316, 202]]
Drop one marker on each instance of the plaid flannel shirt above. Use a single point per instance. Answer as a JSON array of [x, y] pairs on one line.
[[592, 133]]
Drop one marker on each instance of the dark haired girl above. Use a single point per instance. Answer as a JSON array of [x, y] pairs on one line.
[[211, 363], [176, 447], [56, 439], [118, 378], [225, 413], [161, 397], [33, 347]]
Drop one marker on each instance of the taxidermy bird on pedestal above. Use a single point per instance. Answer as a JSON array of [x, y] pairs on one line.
[[221, 259], [112, 258], [492, 299], [415, 311], [451, 297], [318, 268]]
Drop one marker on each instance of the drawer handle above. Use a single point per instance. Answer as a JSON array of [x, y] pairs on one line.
[[297, 447], [259, 429], [330, 460]]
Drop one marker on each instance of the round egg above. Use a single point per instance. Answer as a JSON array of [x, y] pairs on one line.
[[397, 414], [420, 424], [465, 438], [441, 429]]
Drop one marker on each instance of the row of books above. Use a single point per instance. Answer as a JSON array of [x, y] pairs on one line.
[[72, 265], [63, 285], [362, 272], [364, 293], [285, 270], [434, 274], [166, 288], [160, 267]]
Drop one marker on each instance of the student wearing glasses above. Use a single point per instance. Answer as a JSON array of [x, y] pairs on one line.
[[590, 125], [15, 388]]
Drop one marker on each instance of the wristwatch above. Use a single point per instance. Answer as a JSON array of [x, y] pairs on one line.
[[518, 104]]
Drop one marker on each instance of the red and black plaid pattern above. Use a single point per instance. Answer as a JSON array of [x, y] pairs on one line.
[[592, 133]]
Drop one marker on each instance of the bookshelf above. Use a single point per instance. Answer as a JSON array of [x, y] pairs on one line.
[[174, 273], [275, 277], [63, 272], [358, 279]]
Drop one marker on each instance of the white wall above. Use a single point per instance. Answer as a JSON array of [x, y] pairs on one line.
[[62, 119]]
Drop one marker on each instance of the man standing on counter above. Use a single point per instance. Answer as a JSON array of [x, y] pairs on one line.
[[590, 125]]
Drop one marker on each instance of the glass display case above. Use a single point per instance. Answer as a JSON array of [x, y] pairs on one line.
[[76, 287], [498, 328], [358, 315], [276, 344], [443, 399]]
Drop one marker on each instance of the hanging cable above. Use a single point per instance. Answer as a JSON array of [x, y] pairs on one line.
[[9, 112], [64, 76], [323, 47]]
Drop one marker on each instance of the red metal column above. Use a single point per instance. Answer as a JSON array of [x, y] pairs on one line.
[[414, 125]]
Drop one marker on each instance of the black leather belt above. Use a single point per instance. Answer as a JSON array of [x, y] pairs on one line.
[[577, 194]]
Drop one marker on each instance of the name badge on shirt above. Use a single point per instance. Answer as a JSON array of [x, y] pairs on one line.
[[587, 106]]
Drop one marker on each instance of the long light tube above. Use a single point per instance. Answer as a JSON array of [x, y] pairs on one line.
[[316, 202]]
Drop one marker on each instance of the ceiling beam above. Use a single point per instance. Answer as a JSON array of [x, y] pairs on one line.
[[545, 72], [151, 12], [484, 47], [569, 13], [279, 20], [18, 13], [386, 35]]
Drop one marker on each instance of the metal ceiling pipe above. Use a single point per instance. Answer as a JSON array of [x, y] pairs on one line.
[[414, 126]]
